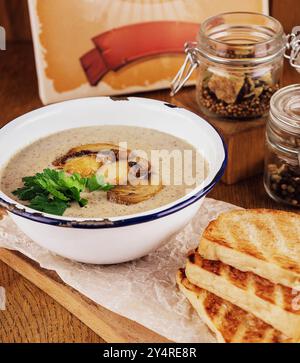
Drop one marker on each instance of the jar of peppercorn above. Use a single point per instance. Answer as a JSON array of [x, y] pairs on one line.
[[282, 166], [239, 60]]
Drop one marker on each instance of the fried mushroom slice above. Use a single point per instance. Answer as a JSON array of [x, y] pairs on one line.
[[133, 194], [95, 148], [84, 165], [87, 149], [87, 159], [115, 173]]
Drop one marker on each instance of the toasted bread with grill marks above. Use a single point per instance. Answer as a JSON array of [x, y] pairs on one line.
[[229, 323], [275, 304], [266, 242]]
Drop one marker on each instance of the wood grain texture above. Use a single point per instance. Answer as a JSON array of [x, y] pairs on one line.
[[287, 12], [14, 17], [111, 327], [31, 314]]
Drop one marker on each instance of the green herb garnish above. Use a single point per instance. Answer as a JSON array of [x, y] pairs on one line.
[[97, 182], [52, 191], [45, 204]]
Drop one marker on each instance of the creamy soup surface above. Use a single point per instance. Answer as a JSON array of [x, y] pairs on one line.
[[41, 154]]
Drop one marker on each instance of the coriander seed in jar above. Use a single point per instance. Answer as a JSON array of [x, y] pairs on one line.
[[282, 160], [239, 59]]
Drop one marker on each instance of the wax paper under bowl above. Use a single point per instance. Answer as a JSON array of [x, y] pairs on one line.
[[143, 290]]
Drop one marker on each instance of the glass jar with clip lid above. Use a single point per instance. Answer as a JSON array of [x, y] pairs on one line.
[[282, 160], [239, 59]]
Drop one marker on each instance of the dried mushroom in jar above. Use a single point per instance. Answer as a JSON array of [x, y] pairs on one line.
[[226, 89], [236, 96]]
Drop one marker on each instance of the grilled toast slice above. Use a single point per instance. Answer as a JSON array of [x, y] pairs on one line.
[[275, 304], [266, 242], [229, 323]]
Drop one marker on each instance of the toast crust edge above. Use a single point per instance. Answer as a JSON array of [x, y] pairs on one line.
[[211, 250], [228, 329], [215, 283]]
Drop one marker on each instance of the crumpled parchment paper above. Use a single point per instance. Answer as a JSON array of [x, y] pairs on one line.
[[143, 290]]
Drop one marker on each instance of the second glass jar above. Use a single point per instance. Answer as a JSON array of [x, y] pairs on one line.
[[282, 159]]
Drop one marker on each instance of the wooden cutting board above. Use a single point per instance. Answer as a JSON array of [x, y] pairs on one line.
[[111, 327]]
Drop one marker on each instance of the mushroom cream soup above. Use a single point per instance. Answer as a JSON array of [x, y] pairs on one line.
[[174, 164]]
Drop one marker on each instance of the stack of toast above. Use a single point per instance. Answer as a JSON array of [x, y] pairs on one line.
[[244, 278]]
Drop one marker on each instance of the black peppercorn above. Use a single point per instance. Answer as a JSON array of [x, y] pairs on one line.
[[284, 181]]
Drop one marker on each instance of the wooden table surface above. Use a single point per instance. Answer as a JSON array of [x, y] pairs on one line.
[[31, 315]]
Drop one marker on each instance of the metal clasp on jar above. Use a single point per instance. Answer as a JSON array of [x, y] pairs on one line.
[[191, 62], [292, 52]]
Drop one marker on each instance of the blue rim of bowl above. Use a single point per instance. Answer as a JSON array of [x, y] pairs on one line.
[[106, 222]]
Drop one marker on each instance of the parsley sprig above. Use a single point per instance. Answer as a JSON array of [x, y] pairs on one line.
[[53, 191]]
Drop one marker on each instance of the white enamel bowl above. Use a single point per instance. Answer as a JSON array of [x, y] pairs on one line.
[[120, 239]]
